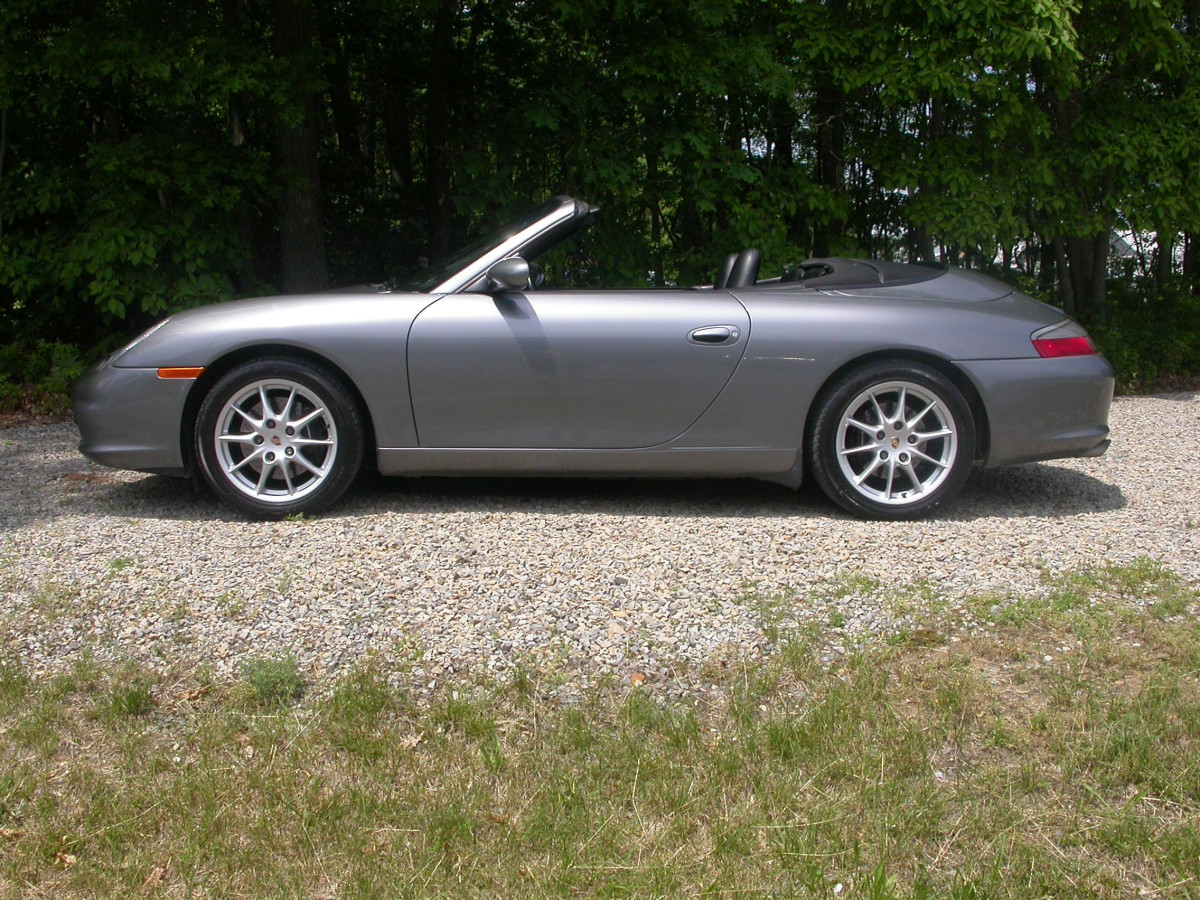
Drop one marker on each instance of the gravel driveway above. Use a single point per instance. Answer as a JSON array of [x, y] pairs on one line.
[[576, 577]]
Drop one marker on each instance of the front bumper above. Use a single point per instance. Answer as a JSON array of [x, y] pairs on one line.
[[1044, 408], [131, 418]]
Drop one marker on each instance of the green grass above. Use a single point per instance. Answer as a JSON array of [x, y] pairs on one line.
[[1001, 765]]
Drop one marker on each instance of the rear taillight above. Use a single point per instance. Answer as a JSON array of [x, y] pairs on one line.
[[1065, 339], [1070, 346]]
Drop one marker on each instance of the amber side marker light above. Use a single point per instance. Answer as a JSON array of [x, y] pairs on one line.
[[1050, 348], [181, 372]]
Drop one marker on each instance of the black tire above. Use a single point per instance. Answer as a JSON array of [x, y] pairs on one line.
[[881, 463], [300, 458]]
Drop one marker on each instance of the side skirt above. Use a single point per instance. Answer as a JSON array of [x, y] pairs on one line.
[[770, 464]]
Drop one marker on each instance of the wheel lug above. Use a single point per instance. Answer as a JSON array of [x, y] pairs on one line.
[[289, 431], [270, 457], [289, 452], [270, 423], [258, 439], [883, 454], [899, 426], [912, 438], [903, 457], [879, 435]]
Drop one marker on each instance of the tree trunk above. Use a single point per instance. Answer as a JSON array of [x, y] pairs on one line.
[[1047, 262], [782, 123], [1066, 290], [933, 131], [398, 135], [437, 131], [1164, 258], [302, 237], [1088, 261], [247, 223], [829, 102], [345, 117], [1191, 262], [3, 152], [1098, 289], [655, 209]]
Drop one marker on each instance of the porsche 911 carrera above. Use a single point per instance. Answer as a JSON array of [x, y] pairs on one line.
[[886, 382]]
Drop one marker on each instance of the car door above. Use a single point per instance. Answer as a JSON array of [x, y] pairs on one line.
[[570, 369]]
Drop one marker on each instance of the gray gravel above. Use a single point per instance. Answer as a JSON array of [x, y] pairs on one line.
[[443, 578]]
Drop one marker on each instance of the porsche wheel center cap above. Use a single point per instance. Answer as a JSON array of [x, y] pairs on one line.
[[276, 441], [895, 443]]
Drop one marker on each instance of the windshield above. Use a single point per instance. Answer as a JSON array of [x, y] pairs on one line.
[[427, 279]]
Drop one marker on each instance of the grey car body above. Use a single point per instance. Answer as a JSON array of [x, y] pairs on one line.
[[473, 372]]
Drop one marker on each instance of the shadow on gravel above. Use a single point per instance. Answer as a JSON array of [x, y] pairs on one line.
[[1037, 490], [1034, 489]]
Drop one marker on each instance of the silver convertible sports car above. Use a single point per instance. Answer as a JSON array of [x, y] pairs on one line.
[[887, 382]]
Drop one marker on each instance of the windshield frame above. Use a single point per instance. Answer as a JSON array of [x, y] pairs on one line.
[[461, 270]]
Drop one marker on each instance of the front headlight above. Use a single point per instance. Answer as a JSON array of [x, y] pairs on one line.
[[137, 340]]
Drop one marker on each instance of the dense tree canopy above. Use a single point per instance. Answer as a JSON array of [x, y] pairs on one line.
[[157, 155]]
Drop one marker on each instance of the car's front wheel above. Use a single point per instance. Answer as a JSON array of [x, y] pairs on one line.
[[892, 440], [279, 436]]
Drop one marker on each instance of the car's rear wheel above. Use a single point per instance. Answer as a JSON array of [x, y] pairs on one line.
[[279, 436], [892, 440]]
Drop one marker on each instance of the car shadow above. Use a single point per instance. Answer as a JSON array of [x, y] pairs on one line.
[[1035, 490]]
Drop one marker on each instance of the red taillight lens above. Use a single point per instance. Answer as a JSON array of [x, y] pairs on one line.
[[1050, 348]]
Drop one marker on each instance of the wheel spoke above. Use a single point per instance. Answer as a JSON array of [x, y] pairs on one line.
[[900, 404], [267, 411], [887, 492], [287, 477], [304, 420], [883, 420], [917, 486], [925, 456], [913, 422], [312, 467], [923, 436], [867, 472], [263, 477], [255, 423], [862, 426], [248, 458], [287, 408], [850, 451], [246, 437], [312, 442]]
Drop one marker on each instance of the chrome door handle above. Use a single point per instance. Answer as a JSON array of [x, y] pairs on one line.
[[714, 334]]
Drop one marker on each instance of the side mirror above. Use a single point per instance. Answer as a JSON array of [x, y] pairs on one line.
[[510, 274]]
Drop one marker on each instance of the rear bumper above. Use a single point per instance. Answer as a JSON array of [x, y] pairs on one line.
[[1044, 408], [130, 419]]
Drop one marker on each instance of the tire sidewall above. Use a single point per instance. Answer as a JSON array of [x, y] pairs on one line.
[[325, 386], [824, 449]]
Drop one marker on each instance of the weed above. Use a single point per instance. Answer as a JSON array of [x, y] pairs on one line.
[[272, 682], [231, 605]]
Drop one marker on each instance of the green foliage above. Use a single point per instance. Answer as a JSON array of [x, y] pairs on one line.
[[140, 163], [37, 377], [1152, 340]]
